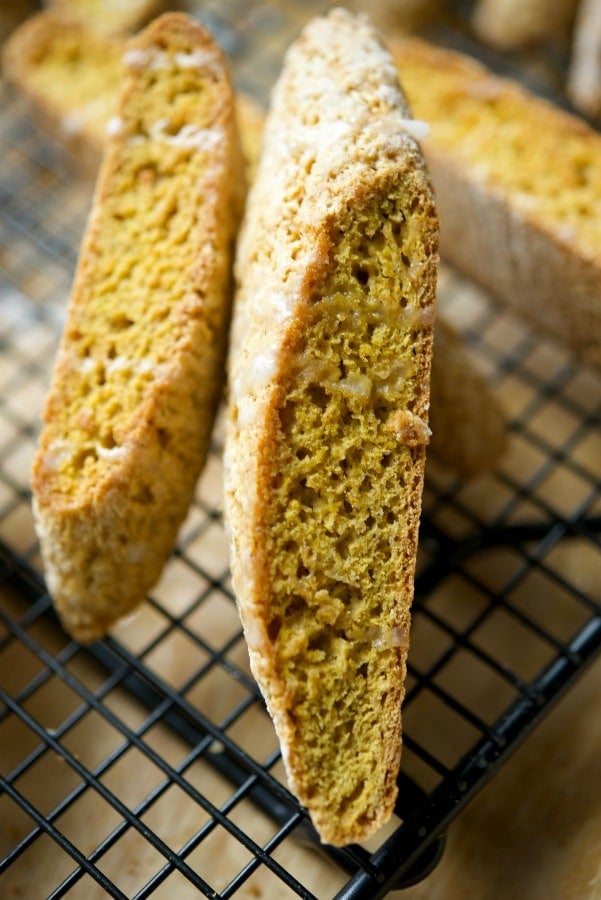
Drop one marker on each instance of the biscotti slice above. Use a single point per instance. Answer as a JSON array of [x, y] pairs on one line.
[[518, 187], [70, 77], [140, 366], [328, 417], [109, 16]]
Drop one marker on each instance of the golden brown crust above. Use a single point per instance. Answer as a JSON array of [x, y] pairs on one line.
[[518, 183], [331, 341], [139, 370]]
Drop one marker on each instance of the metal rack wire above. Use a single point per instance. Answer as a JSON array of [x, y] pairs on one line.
[[127, 767]]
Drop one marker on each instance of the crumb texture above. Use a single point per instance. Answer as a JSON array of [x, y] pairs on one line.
[[329, 371], [342, 521]]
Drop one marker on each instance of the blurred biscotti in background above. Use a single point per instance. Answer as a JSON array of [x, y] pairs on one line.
[[574, 26], [518, 185], [70, 76], [69, 73], [570, 28]]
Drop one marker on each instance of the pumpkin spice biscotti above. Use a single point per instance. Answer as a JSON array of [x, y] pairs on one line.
[[140, 366], [328, 417], [518, 188]]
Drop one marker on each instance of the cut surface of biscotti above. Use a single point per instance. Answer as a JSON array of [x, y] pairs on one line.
[[518, 187], [70, 75], [327, 425], [140, 366]]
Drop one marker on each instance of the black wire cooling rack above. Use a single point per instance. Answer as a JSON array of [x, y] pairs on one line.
[[129, 768]]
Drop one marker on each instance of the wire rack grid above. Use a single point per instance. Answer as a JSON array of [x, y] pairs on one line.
[[128, 768]]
